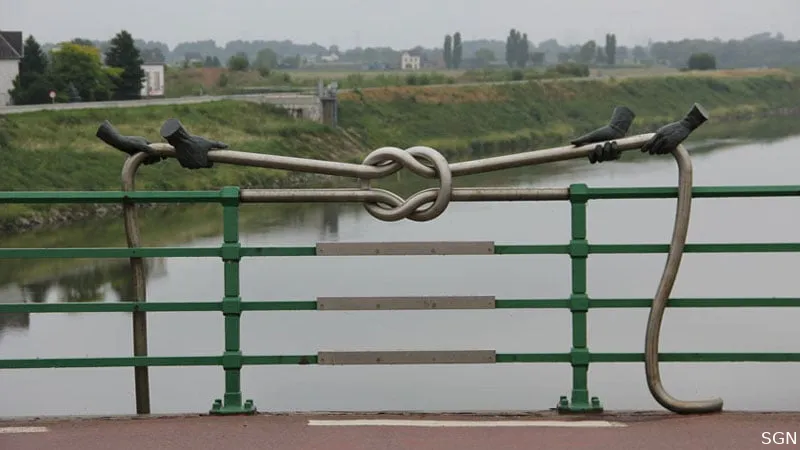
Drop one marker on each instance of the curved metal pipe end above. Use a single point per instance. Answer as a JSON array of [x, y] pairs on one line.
[[679, 232]]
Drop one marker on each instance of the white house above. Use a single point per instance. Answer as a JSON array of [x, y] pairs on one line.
[[153, 84], [410, 60], [333, 57], [10, 54]]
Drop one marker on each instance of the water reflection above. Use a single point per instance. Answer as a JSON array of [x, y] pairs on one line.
[[106, 281], [329, 231]]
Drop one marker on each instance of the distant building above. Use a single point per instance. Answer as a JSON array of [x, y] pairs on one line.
[[410, 60], [10, 55], [333, 57], [153, 84]]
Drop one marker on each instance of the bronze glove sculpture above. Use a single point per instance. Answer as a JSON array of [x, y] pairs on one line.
[[128, 144], [668, 137], [621, 120], [191, 151]]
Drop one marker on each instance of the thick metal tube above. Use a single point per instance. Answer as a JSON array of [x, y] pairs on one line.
[[141, 375], [679, 232], [369, 172]]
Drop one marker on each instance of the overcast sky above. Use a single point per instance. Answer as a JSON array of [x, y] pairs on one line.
[[398, 23]]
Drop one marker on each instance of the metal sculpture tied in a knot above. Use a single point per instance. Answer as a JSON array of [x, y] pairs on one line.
[[602, 144], [413, 159]]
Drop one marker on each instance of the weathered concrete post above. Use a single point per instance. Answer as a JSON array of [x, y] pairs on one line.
[[330, 105]]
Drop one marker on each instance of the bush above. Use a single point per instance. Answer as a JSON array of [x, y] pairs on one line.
[[702, 61]]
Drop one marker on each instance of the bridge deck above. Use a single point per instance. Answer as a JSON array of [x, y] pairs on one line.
[[653, 431]]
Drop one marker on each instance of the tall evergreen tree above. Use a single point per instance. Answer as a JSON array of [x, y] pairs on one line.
[[448, 51], [458, 51], [32, 84], [611, 49], [123, 54], [522, 50], [511, 48]]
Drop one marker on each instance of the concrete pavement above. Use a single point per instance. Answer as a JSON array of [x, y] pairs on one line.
[[624, 431]]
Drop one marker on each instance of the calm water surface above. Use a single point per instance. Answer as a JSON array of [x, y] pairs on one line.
[[495, 387]]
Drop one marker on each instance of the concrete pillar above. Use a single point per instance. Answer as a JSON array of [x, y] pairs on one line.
[[330, 111]]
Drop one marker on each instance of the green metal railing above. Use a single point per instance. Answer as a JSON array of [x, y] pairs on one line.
[[232, 306]]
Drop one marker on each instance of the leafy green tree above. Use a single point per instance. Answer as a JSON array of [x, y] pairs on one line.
[[537, 58], [124, 55], [702, 61], [74, 95], [239, 62], [82, 41], [266, 60], [587, 52], [32, 85], [458, 51], [81, 66], [448, 51]]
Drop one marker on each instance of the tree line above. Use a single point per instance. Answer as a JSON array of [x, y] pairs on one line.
[[762, 49], [77, 71]]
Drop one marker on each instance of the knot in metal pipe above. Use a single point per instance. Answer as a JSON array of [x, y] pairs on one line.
[[423, 161]]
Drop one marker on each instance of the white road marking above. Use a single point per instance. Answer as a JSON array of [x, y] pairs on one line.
[[467, 423], [12, 430]]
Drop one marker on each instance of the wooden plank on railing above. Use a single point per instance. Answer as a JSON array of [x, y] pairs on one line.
[[405, 248], [407, 357], [404, 303]]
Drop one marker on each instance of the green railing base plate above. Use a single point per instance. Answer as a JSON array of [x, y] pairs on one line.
[[564, 406], [217, 409]]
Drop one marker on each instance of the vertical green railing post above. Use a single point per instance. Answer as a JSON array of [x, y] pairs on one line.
[[579, 307], [231, 403]]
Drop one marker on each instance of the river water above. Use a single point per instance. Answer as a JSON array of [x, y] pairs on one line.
[[435, 388]]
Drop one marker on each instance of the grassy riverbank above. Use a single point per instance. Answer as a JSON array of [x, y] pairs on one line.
[[57, 150]]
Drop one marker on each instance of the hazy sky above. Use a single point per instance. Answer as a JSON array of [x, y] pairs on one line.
[[398, 23]]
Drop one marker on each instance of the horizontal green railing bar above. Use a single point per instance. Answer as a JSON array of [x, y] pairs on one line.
[[545, 249], [755, 247], [697, 192], [128, 361], [545, 303], [696, 357], [532, 358], [44, 197], [97, 307], [278, 251], [110, 252], [255, 360], [310, 305], [152, 361], [594, 357], [280, 306], [773, 302]]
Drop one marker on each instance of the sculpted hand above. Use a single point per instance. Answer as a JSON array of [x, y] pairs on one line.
[[128, 144], [621, 120], [192, 151], [668, 137]]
